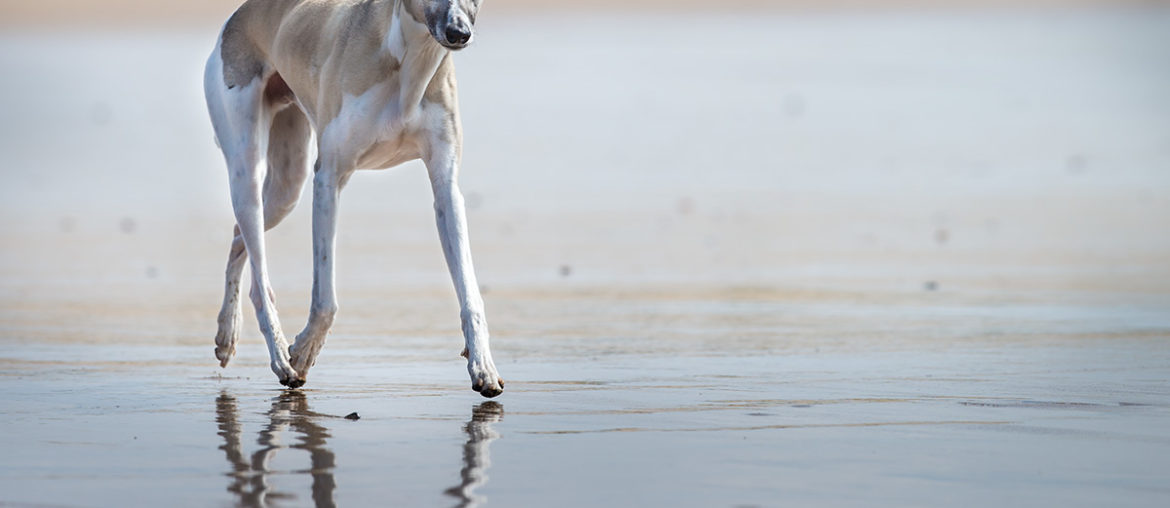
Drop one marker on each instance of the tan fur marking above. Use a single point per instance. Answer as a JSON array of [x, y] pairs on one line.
[[441, 89], [322, 51], [245, 35], [288, 37], [375, 80], [302, 56]]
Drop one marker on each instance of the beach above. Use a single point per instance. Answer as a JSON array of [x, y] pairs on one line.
[[839, 257]]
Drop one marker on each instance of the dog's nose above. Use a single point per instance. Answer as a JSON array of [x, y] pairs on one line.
[[458, 34]]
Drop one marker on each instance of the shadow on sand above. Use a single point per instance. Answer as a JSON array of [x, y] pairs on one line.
[[249, 475]]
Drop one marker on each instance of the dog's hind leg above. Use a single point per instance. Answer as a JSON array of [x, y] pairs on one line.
[[246, 184], [288, 144], [229, 315], [241, 119], [288, 164]]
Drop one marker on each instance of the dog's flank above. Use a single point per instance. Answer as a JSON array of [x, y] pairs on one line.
[[374, 79]]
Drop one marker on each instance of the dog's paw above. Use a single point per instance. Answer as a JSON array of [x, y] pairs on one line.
[[297, 361], [226, 338], [287, 376], [224, 354], [293, 383], [485, 379], [302, 355], [225, 346]]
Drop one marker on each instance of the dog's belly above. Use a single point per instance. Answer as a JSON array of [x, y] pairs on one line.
[[385, 154]]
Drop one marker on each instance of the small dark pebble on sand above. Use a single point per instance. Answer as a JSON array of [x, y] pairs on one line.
[[353, 416]]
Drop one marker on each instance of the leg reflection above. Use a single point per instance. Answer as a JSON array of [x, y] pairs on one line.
[[476, 458], [227, 417], [250, 477]]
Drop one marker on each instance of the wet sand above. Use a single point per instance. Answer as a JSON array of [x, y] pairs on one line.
[[893, 259], [1080, 424]]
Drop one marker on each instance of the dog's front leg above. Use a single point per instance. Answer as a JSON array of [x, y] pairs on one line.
[[443, 166], [327, 184]]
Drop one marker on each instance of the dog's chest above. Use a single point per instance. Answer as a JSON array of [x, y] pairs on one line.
[[377, 130]]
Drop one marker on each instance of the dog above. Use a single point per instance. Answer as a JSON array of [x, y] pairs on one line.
[[375, 81]]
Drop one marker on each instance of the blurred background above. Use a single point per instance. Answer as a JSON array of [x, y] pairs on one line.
[[627, 155], [843, 252]]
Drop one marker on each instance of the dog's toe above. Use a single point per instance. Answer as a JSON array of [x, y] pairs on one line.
[[286, 375], [303, 354], [491, 391], [488, 389], [224, 355], [484, 378], [293, 382]]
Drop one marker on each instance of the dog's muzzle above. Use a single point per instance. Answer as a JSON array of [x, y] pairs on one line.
[[459, 36]]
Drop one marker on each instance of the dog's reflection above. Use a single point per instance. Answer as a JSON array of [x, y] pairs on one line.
[[476, 457], [250, 475]]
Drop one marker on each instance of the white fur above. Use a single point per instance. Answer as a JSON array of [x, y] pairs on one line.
[[385, 125], [395, 41], [240, 128]]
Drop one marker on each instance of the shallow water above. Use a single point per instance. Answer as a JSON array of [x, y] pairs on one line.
[[1078, 424], [894, 259]]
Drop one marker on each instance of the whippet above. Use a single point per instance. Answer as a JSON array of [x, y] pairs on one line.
[[375, 81]]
